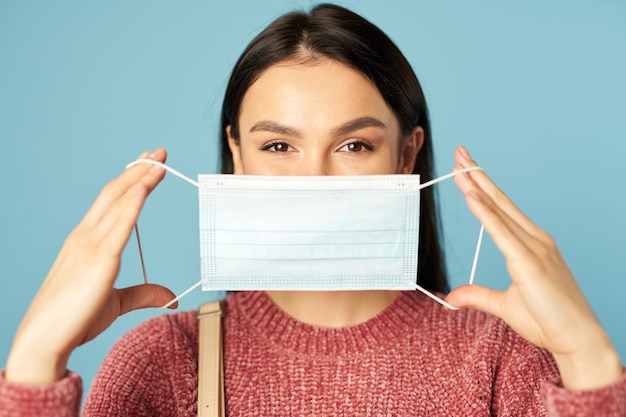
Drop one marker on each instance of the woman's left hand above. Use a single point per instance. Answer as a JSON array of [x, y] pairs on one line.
[[543, 303]]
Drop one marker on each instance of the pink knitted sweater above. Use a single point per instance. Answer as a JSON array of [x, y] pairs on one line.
[[415, 358]]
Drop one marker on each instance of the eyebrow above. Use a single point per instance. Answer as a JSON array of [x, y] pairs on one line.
[[357, 124], [351, 126], [274, 127]]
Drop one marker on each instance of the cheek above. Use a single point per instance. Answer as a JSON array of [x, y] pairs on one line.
[[389, 159], [254, 163], [381, 163]]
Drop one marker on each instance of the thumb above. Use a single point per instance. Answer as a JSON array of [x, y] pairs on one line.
[[478, 297], [144, 296]]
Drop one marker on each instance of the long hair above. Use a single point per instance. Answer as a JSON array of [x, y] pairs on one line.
[[333, 32]]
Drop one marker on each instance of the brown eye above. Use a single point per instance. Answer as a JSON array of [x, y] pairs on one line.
[[276, 147], [280, 147], [356, 147]]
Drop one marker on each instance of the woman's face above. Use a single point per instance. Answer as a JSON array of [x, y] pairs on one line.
[[320, 118]]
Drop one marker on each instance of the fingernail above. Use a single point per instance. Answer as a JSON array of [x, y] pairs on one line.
[[153, 154], [464, 153], [144, 155]]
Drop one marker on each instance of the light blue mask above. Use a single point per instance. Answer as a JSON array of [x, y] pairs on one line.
[[308, 232]]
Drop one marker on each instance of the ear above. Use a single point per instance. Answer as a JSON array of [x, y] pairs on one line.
[[409, 148], [235, 150]]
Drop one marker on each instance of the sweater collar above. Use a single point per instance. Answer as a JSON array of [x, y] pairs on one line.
[[400, 319]]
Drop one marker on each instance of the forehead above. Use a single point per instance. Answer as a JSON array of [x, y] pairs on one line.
[[318, 92]]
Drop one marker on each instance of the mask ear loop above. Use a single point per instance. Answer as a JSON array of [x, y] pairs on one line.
[[167, 168], [143, 265], [476, 252], [478, 244]]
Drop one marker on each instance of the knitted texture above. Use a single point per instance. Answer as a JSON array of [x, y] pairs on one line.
[[414, 358]]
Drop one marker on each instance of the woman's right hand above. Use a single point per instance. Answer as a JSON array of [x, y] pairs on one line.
[[77, 300]]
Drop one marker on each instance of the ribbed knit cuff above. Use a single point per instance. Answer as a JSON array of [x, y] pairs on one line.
[[608, 401], [61, 399]]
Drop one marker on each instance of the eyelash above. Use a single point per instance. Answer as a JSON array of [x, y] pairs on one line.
[[367, 146], [274, 144]]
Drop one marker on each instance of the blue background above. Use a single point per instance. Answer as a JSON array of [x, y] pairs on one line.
[[536, 90]]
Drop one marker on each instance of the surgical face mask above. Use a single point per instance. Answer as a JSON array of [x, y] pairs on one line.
[[309, 232]]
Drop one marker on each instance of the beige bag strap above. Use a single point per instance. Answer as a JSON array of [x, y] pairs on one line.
[[210, 363]]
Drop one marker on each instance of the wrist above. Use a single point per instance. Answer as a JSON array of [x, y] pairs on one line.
[[592, 367], [34, 367]]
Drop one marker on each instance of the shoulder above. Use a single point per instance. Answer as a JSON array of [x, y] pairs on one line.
[[166, 327], [152, 367], [156, 342]]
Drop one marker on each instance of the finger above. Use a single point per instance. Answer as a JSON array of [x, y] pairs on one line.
[[119, 186], [144, 296], [478, 297], [514, 234], [117, 224], [512, 239], [120, 218], [114, 230], [480, 180]]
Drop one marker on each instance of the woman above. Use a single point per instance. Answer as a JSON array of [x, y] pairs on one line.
[[324, 94]]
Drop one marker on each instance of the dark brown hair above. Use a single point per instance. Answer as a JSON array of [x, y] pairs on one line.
[[333, 32]]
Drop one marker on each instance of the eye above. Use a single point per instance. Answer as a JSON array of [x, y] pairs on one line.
[[276, 146], [356, 147]]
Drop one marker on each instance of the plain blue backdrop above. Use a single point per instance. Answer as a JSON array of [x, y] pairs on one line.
[[536, 90]]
